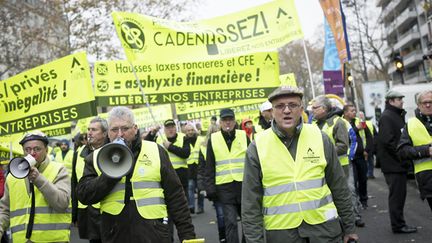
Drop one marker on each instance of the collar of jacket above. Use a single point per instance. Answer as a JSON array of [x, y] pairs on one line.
[[44, 164], [399, 111], [427, 120], [173, 139], [281, 133]]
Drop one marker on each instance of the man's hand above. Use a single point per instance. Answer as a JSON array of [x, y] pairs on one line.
[[33, 174], [154, 130], [365, 155], [351, 237], [166, 144]]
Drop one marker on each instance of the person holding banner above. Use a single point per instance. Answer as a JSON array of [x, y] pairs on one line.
[[88, 217], [40, 202], [296, 190], [177, 146], [150, 192], [226, 151]]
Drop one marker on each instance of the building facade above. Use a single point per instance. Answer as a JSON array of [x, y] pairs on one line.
[[407, 28]]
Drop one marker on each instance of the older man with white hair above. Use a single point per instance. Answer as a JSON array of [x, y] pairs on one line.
[[416, 144]]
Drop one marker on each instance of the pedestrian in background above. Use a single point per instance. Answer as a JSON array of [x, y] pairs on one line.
[[225, 157], [394, 169]]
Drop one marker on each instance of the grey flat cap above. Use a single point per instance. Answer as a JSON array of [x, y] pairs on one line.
[[285, 91], [393, 94]]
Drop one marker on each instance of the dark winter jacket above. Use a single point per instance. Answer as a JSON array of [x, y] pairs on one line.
[[407, 151], [129, 226], [390, 124]]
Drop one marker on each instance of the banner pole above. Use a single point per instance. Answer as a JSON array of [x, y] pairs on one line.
[[309, 69], [144, 98]]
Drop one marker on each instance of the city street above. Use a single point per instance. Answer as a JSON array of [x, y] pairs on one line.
[[377, 230]]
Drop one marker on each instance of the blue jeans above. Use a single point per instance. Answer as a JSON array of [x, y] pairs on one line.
[[219, 214], [192, 185]]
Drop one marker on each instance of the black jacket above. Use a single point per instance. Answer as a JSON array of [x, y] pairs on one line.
[[129, 226], [406, 150], [390, 124]]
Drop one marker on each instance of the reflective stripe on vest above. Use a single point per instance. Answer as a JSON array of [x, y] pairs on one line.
[[194, 155], [176, 161], [49, 225], [419, 136], [343, 159], [294, 191], [147, 190], [229, 163], [66, 161]]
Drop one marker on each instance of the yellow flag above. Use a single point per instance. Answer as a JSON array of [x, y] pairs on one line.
[[260, 28], [50, 94]]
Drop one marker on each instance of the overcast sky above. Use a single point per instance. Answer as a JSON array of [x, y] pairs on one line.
[[309, 11]]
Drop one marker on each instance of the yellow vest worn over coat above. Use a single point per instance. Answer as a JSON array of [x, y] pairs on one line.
[[419, 136], [67, 160], [49, 225], [295, 190], [79, 169], [194, 155], [229, 163], [176, 161], [343, 159], [147, 190]]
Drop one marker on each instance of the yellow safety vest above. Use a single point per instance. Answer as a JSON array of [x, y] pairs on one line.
[[229, 163], [419, 136], [49, 225], [79, 169], [204, 151], [343, 159], [67, 161], [194, 155], [370, 127], [147, 190], [176, 161], [294, 191]]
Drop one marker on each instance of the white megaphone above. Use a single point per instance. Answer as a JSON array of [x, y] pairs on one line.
[[20, 167], [115, 159]]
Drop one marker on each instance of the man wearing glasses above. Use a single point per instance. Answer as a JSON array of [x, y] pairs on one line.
[[40, 202], [416, 144], [296, 190], [139, 206]]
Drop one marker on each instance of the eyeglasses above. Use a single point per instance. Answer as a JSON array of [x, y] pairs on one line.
[[426, 103], [291, 106], [122, 129], [28, 150]]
